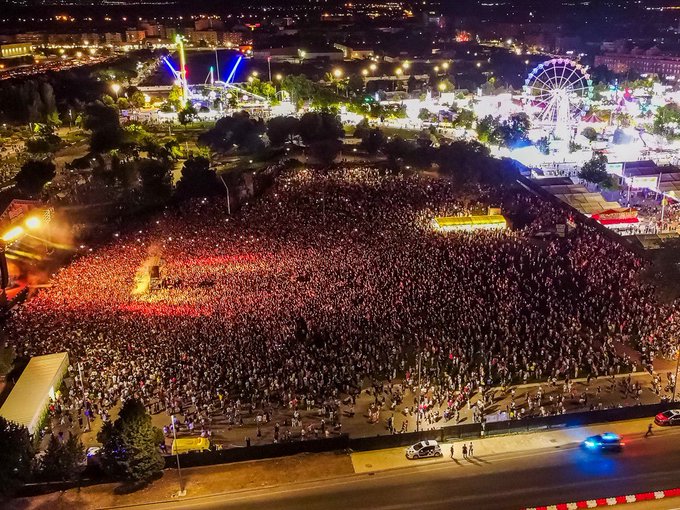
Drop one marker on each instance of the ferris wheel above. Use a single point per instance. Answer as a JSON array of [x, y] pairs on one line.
[[560, 89]]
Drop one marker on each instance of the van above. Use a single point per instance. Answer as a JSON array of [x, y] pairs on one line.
[[190, 444]]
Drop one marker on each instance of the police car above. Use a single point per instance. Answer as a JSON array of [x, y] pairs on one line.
[[607, 441], [423, 450]]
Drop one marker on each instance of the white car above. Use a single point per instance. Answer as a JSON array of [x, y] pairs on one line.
[[423, 450]]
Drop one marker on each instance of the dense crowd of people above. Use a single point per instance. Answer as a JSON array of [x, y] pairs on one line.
[[334, 282]]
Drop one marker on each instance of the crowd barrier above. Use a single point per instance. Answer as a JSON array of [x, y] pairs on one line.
[[462, 431]]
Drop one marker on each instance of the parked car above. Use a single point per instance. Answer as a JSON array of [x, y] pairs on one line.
[[668, 418], [423, 450]]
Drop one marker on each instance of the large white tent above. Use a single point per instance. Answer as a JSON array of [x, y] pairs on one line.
[[40, 380]]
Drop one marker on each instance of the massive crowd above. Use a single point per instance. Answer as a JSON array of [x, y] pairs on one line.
[[333, 282]]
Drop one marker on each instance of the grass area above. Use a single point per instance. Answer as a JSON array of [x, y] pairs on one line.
[[400, 132], [6, 359]]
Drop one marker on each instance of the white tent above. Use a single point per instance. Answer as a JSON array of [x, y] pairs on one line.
[[40, 380]]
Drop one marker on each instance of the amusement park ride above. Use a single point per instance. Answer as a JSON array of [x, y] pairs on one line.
[[221, 87], [559, 91]]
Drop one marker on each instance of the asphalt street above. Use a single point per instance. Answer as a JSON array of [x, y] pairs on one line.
[[513, 481]]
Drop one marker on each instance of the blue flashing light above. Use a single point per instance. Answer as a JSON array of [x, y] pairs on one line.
[[590, 444], [609, 436]]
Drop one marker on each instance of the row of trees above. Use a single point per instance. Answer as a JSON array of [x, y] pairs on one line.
[[130, 452]]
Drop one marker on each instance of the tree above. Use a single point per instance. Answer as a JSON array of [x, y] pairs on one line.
[[16, 455], [487, 130], [33, 176], [667, 121], [187, 114], [595, 171], [198, 180], [464, 118], [137, 100], [315, 127], [590, 134], [130, 445], [282, 129], [104, 124], [325, 151], [372, 140], [543, 145], [155, 177], [63, 459], [175, 97], [397, 150], [513, 132]]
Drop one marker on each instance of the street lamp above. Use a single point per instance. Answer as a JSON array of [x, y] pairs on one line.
[[398, 71], [373, 67], [116, 88], [181, 492], [279, 76], [406, 64], [442, 87], [364, 72], [436, 69], [445, 65], [337, 72]]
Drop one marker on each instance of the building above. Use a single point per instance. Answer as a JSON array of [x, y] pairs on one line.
[[353, 53], [134, 36], [231, 39], [36, 38], [297, 55], [210, 23], [113, 38], [640, 63], [208, 37], [16, 50]]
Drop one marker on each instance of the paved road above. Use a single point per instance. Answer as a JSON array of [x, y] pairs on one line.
[[510, 481]]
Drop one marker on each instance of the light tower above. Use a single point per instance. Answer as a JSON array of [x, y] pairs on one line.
[[182, 69]]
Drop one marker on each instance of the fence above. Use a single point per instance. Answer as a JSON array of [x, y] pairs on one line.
[[463, 431]]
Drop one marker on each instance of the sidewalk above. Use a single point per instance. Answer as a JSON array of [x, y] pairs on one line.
[[392, 458]]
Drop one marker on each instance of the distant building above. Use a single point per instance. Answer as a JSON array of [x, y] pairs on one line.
[[36, 38], [641, 63], [297, 55], [231, 39], [211, 23], [15, 50], [353, 53], [134, 36], [113, 38], [202, 36]]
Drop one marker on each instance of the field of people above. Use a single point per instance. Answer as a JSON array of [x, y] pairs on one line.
[[336, 278]]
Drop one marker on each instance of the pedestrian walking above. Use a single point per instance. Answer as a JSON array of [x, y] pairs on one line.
[[465, 452], [452, 451], [470, 450], [649, 431]]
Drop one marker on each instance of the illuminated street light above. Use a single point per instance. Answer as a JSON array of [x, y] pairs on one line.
[[116, 88], [33, 222], [250, 79], [436, 69], [442, 86], [373, 67], [255, 73], [445, 65], [337, 72], [12, 234], [479, 64], [279, 76], [399, 71], [364, 72], [406, 64]]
